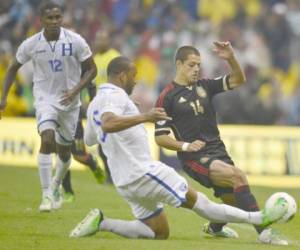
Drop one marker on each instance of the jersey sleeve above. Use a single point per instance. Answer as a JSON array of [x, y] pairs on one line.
[[22, 54], [83, 49], [163, 127], [217, 85], [114, 102]]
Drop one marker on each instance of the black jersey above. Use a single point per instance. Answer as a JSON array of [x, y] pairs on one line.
[[191, 109]]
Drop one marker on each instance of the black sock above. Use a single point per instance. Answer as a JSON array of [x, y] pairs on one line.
[[67, 183], [245, 200], [90, 162], [216, 227], [104, 159]]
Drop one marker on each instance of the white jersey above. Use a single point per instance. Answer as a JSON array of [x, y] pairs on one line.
[[128, 153], [57, 65]]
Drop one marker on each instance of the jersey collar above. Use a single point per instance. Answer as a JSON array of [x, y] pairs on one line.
[[62, 34]]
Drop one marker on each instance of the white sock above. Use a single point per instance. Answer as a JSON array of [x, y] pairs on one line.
[[128, 229], [45, 169], [223, 213], [61, 170]]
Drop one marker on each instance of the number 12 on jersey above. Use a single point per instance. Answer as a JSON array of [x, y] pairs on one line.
[[56, 65]]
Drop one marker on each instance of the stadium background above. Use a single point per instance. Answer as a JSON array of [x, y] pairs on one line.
[[265, 35]]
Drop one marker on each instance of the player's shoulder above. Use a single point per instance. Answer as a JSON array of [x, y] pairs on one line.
[[70, 34], [111, 89], [33, 40], [168, 89]]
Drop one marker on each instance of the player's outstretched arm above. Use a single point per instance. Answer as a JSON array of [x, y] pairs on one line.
[[113, 123], [225, 51], [170, 143], [8, 81]]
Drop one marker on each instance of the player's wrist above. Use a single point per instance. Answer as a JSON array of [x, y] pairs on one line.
[[185, 146]]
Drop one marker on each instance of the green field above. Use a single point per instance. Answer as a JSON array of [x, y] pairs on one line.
[[23, 227]]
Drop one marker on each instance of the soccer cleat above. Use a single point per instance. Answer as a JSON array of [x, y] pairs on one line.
[[46, 204], [99, 175], [57, 199], [273, 214], [69, 197], [273, 237], [226, 232], [89, 225]]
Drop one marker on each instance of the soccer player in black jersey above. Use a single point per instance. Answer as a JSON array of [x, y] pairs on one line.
[[188, 101]]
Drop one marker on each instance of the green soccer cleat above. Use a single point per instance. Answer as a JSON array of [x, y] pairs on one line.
[[226, 232], [273, 237], [273, 214], [46, 204], [69, 197], [89, 225], [99, 174]]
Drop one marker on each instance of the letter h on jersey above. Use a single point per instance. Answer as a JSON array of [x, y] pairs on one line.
[[67, 49]]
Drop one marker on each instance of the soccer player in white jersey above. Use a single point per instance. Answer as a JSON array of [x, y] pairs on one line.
[[115, 122], [59, 56]]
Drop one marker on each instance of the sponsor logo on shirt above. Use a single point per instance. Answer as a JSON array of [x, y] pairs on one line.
[[40, 51]]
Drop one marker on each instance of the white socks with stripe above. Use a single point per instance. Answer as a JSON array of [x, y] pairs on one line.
[[223, 213], [129, 229], [45, 171], [61, 169]]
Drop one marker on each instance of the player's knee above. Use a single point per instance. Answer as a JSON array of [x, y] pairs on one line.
[[239, 177], [64, 155], [48, 142]]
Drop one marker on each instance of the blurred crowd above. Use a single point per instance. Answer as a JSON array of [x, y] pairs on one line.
[[264, 33]]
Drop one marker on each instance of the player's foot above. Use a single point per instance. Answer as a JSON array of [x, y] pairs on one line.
[[57, 199], [271, 236], [99, 174], [46, 204], [89, 225], [226, 232], [69, 197], [273, 214]]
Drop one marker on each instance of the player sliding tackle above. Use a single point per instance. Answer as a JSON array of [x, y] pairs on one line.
[[115, 122]]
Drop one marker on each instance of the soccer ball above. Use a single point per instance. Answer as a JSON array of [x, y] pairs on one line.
[[292, 209]]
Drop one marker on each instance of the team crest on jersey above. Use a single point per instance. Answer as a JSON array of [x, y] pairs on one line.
[[204, 159], [201, 92]]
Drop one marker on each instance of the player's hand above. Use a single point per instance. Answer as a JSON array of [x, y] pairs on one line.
[[195, 146], [157, 114], [67, 98], [224, 50], [2, 107]]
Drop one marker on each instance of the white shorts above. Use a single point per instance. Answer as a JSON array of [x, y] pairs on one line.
[[147, 195], [63, 122]]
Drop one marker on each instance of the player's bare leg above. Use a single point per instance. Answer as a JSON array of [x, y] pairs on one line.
[[226, 175]]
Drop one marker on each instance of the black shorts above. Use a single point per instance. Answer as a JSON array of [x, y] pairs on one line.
[[197, 166], [78, 147]]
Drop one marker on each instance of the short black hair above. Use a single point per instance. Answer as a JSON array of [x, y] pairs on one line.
[[183, 52], [48, 5], [118, 65]]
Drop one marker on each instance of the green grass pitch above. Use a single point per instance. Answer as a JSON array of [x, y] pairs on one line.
[[23, 227]]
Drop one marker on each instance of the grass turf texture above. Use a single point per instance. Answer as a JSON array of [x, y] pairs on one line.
[[23, 227]]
